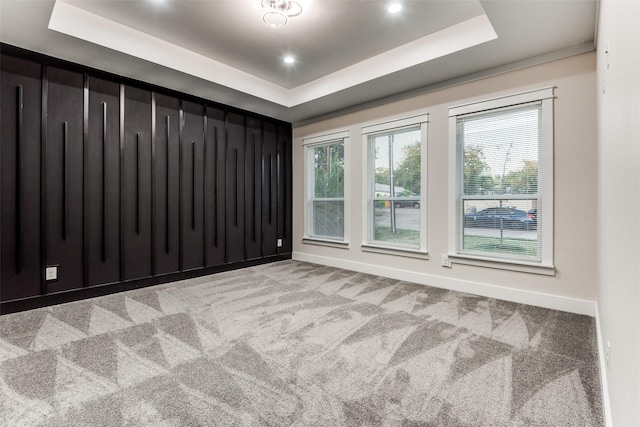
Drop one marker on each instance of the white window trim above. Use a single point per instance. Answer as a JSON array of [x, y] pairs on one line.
[[308, 144], [340, 244], [368, 245], [545, 186]]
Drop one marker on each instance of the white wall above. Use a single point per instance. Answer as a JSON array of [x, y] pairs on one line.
[[574, 286], [619, 190]]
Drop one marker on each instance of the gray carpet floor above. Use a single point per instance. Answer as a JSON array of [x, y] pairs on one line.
[[297, 344]]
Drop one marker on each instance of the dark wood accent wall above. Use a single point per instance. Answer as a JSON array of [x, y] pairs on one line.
[[118, 184]]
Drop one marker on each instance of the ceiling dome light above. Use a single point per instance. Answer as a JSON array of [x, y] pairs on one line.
[[276, 13], [394, 8], [289, 59]]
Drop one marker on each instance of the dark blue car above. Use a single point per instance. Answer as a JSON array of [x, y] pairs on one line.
[[500, 217]]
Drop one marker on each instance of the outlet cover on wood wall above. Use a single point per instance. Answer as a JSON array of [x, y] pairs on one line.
[[51, 273]]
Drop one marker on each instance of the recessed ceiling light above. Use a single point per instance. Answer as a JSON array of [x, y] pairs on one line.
[[289, 59], [394, 8]]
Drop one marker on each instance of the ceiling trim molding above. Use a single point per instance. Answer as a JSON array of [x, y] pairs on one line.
[[484, 74]]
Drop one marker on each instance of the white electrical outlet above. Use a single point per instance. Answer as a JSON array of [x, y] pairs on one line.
[[279, 244], [607, 356], [445, 261], [51, 273]]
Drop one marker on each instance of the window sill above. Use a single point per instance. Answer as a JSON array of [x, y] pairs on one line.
[[524, 267], [325, 242], [387, 250]]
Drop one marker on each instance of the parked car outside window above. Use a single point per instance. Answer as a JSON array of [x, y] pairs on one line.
[[500, 217], [411, 203]]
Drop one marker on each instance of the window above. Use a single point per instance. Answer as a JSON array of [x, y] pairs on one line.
[[325, 175], [396, 180], [504, 180]]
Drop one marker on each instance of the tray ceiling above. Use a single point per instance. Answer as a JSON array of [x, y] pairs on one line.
[[348, 53]]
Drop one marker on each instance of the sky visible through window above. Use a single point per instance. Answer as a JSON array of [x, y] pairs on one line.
[[398, 152], [506, 139], [400, 141]]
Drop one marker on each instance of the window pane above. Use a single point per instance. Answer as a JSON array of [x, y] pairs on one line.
[[500, 151], [397, 159], [394, 224], [507, 227], [328, 161], [328, 218], [397, 169]]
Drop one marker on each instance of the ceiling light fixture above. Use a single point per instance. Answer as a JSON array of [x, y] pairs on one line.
[[276, 13], [394, 8], [289, 59]]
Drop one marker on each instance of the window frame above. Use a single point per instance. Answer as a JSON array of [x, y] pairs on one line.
[[309, 144], [368, 243], [545, 265]]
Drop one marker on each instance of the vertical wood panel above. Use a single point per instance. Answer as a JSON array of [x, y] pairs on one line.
[[284, 188], [269, 189], [192, 185], [102, 186], [136, 189], [64, 165], [253, 188], [21, 268], [215, 189], [235, 190], [167, 184]]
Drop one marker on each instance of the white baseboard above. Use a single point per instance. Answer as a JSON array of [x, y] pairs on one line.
[[604, 385], [571, 305]]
